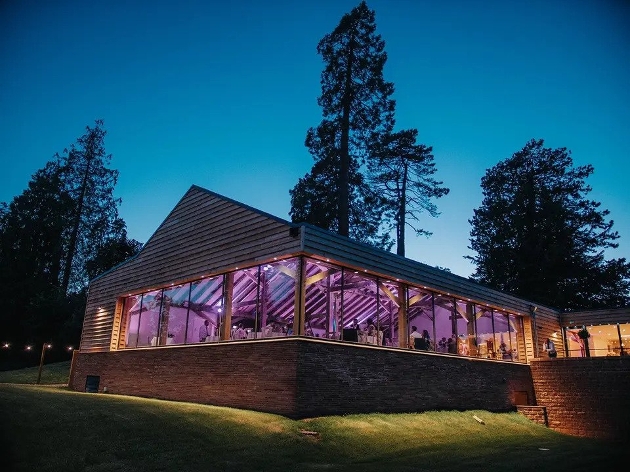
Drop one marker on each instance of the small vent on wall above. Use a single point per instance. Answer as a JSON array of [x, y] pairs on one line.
[[295, 231]]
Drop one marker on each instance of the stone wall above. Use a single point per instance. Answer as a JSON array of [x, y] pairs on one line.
[[300, 377], [588, 397]]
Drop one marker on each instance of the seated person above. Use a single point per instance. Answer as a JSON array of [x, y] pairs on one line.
[[413, 336], [239, 332]]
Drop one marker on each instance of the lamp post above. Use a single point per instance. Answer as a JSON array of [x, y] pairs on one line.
[[41, 361]]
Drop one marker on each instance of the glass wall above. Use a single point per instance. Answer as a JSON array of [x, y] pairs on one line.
[[517, 337], [277, 297], [150, 318], [391, 296], [322, 301], [420, 316], [604, 340], [339, 304], [205, 314], [465, 322], [131, 313], [445, 324], [502, 335], [174, 312], [485, 332]]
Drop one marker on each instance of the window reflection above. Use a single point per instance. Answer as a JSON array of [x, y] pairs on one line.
[[339, 304], [420, 315], [445, 325], [131, 313], [277, 297], [323, 310], [465, 323], [174, 311], [485, 332], [205, 316]]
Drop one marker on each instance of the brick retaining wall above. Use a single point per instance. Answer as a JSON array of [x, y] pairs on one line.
[[300, 377], [587, 397]]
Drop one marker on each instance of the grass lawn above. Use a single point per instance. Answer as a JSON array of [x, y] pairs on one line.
[[48, 428]]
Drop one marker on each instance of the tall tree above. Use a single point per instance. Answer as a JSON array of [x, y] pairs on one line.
[[401, 172], [111, 253], [356, 107], [538, 236], [31, 252], [63, 228], [94, 218]]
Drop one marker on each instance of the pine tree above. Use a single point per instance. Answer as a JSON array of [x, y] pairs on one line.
[[537, 235], [401, 172], [94, 219], [356, 107]]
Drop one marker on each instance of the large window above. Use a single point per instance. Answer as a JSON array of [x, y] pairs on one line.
[[465, 322], [420, 316], [131, 313], [277, 297], [339, 303], [445, 324], [173, 315], [322, 302], [205, 315], [485, 332], [391, 301]]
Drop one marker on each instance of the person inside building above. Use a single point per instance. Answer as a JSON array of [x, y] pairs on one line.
[[204, 331], [239, 332], [413, 336]]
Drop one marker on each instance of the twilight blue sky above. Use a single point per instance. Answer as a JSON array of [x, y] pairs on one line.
[[220, 94]]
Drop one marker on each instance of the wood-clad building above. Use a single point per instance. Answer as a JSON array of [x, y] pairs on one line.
[[230, 291]]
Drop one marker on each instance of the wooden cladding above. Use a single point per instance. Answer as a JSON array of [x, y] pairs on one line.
[[204, 234]]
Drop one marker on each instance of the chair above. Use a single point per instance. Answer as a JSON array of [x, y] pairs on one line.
[[420, 343], [350, 334]]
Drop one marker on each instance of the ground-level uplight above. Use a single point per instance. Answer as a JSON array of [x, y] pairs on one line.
[[41, 360]]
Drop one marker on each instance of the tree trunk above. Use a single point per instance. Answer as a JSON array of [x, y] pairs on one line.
[[402, 210], [344, 157], [75, 226]]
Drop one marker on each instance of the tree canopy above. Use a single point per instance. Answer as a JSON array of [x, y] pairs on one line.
[[402, 174], [61, 231], [357, 107], [537, 235]]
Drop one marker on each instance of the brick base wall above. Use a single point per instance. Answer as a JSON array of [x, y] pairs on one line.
[[300, 377], [537, 414], [585, 397]]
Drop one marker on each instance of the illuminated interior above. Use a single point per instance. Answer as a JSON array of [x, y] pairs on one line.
[[340, 303]]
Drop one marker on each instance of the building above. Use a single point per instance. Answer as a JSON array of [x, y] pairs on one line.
[[232, 306]]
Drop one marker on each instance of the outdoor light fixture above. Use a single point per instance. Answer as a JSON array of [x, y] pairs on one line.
[[6, 346]]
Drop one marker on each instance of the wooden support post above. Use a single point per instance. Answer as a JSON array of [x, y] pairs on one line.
[[403, 335], [228, 290], [300, 299]]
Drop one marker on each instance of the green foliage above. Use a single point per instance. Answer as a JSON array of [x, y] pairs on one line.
[[94, 220], [401, 172], [537, 235], [80, 431], [356, 109], [61, 229]]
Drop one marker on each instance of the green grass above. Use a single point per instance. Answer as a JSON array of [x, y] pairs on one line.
[[54, 429], [56, 373]]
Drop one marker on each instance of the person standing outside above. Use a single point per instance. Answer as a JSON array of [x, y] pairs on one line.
[[550, 348]]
